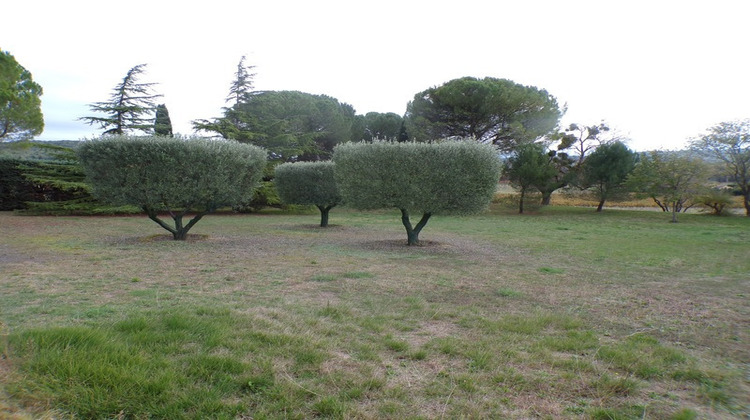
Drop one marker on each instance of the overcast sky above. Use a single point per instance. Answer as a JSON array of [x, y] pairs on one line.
[[658, 71]]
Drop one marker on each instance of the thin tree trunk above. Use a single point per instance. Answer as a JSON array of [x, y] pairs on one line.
[[661, 206], [674, 213], [746, 202], [520, 204], [155, 217], [601, 205], [412, 233]]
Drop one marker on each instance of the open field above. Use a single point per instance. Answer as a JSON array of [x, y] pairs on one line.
[[564, 313]]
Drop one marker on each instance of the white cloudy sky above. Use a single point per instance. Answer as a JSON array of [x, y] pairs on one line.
[[659, 71]]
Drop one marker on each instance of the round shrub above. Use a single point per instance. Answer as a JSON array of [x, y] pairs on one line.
[[447, 177], [175, 175], [308, 183]]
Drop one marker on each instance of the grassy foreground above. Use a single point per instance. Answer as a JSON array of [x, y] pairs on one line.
[[560, 314]]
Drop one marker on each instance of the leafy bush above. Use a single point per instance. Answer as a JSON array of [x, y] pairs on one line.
[[265, 194], [52, 187], [59, 183], [14, 188], [716, 200], [308, 183], [174, 175], [448, 177]]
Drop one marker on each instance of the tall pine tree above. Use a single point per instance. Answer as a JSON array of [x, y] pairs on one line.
[[242, 85], [130, 106], [240, 91]]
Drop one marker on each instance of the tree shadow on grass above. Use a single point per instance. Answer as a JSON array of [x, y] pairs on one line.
[[400, 245], [166, 237]]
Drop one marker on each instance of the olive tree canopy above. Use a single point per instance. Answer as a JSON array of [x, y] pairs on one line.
[[448, 177], [671, 179], [308, 183], [729, 143], [173, 175]]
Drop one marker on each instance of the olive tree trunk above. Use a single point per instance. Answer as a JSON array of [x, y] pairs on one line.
[[412, 233], [674, 213], [324, 215], [546, 198], [179, 231]]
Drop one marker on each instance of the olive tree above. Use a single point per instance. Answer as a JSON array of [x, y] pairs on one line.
[[177, 176], [448, 177], [604, 171], [729, 144], [308, 183], [528, 167], [671, 179]]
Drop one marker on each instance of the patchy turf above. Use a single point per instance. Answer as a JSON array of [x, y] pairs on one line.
[[562, 314]]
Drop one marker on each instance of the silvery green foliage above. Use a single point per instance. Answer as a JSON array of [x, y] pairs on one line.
[[164, 173], [447, 177], [307, 183]]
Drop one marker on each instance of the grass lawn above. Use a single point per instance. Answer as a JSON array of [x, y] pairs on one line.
[[560, 314]]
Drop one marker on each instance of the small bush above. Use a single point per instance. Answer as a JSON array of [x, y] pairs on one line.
[[308, 183], [715, 200]]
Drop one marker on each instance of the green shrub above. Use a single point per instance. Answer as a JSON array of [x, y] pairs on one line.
[[716, 200], [48, 182], [174, 175], [308, 183], [447, 177], [15, 190]]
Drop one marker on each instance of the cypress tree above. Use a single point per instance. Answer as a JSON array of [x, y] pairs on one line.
[[162, 123]]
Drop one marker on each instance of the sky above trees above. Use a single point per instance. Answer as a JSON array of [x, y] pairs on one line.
[[657, 72]]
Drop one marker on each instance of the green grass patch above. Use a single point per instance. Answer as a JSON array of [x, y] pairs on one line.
[[572, 341], [643, 356], [631, 412], [357, 275], [550, 270], [164, 365], [508, 292], [324, 277]]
